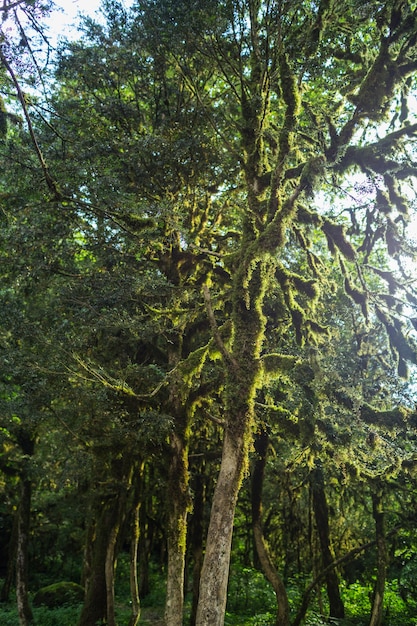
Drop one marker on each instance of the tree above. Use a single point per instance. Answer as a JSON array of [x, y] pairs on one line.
[[286, 102]]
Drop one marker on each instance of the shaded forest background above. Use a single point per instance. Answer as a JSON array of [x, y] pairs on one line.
[[208, 315]]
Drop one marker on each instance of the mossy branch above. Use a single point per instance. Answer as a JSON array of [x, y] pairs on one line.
[[228, 357]]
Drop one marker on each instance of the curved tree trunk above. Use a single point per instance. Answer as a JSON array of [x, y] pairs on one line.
[[321, 514], [268, 567], [243, 368], [382, 559], [134, 546]]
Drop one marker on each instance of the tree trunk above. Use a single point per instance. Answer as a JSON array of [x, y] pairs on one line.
[[178, 507], [11, 560], [269, 569], [109, 573], [197, 540], [108, 517], [143, 551], [134, 546], [134, 586], [95, 603], [243, 369], [215, 570], [321, 514], [23, 524], [99, 599], [382, 560]]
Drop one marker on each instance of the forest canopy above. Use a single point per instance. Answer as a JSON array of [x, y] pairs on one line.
[[209, 313]]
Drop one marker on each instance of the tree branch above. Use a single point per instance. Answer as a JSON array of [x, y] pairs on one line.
[[51, 183]]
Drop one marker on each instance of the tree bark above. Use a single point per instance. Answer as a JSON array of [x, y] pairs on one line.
[[99, 598], [23, 525], [215, 570], [11, 561], [109, 573], [382, 559], [243, 369], [197, 541], [134, 546], [95, 603], [321, 514], [134, 586], [178, 507], [268, 567]]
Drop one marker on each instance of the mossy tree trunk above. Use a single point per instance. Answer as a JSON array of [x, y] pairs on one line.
[[178, 507], [95, 604], [263, 235], [321, 515], [215, 570]]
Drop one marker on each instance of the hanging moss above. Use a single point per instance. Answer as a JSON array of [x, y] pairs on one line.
[[316, 331], [395, 197], [275, 363], [308, 287], [359, 297], [377, 88], [388, 277], [312, 171], [336, 233], [383, 202], [403, 349]]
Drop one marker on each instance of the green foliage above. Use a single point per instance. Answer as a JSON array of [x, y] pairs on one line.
[[249, 593], [63, 616]]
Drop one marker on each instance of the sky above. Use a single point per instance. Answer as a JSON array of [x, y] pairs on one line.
[[62, 20]]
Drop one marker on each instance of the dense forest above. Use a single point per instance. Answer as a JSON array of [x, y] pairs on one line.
[[208, 307]]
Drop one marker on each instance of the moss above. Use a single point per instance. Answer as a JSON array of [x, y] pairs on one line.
[[276, 363], [59, 594], [391, 419], [395, 197], [336, 233], [357, 296]]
